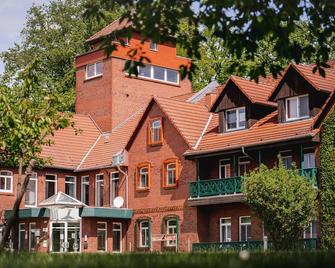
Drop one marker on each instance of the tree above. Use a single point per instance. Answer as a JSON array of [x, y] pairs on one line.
[[283, 200], [55, 33], [242, 25], [28, 118]]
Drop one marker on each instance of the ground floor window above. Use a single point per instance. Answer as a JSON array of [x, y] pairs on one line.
[[171, 228], [102, 236], [22, 236], [117, 236], [33, 232], [144, 234], [65, 237], [225, 230], [310, 231], [245, 228]]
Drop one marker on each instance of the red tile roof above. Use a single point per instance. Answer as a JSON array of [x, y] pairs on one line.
[[116, 25], [69, 146], [267, 130]]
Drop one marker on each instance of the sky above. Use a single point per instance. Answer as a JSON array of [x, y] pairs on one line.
[[12, 19]]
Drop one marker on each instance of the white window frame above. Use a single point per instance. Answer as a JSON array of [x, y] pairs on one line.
[[55, 181], [112, 194], [237, 111], [140, 177], [310, 227], [156, 128], [155, 79], [6, 177], [171, 229], [30, 231], [96, 189], [240, 163], [286, 157], [20, 230], [153, 45], [72, 183], [298, 108], [36, 188], [225, 224], [118, 230], [227, 173], [95, 70], [314, 164], [244, 224], [106, 237], [84, 182], [146, 244]]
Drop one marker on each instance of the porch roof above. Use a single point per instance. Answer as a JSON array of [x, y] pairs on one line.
[[26, 213], [95, 212], [61, 199]]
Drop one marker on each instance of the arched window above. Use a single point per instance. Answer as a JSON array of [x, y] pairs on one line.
[[144, 233], [6, 181], [170, 172], [143, 176], [171, 229]]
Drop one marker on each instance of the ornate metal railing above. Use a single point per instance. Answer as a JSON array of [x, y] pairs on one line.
[[215, 187], [303, 244], [311, 174]]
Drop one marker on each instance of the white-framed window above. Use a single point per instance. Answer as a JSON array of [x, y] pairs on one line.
[[225, 230], [153, 45], [171, 174], [144, 177], [30, 198], [144, 234], [85, 189], [99, 190], [245, 228], [243, 163], [32, 236], [159, 73], [22, 236], [6, 181], [287, 161], [94, 69], [171, 228], [235, 119], [50, 185], [102, 236], [114, 186], [297, 107], [156, 131], [70, 186], [117, 237], [224, 168], [309, 160], [311, 231]]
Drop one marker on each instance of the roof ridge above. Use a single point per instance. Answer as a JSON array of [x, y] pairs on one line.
[[88, 152], [179, 101], [203, 131], [125, 121]]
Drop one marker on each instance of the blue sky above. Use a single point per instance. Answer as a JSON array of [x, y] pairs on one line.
[[12, 19]]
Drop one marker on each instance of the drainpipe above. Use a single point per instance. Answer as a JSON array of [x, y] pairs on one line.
[[244, 153], [125, 174]]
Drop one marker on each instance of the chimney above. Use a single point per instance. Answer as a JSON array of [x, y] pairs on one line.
[[210, 99]]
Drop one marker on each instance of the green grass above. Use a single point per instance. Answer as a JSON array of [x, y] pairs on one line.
[[201, 260]]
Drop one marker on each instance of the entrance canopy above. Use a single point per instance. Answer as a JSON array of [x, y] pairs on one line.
[[61, 200]]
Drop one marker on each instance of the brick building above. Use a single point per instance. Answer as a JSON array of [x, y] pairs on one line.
[[156, 167]]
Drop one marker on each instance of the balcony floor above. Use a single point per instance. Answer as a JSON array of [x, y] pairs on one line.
[[212, 200]]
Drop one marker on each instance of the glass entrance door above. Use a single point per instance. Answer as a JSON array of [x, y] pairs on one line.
[[65, 237]]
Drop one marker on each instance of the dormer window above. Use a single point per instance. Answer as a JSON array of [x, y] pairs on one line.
[[94, 70], [235, 119], [297, 108], [153, 45]]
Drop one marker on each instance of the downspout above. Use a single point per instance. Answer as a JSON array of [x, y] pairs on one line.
[[125, 174], [244, 153]]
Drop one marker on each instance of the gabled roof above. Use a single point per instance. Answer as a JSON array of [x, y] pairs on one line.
[[108, 144], [255, 92], [319, 83], [188, 119], [116, 25], [265, 131], [61, 199], [70, 146], [198, 96]]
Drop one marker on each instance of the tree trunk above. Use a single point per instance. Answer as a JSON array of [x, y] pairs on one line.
[[15, 212]]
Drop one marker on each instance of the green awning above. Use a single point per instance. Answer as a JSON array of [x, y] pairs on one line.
[[26, 213], [117, 213]]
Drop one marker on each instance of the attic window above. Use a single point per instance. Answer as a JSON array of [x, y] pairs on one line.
[[297, 107], [153, 46], [235, 119], [155, 133]]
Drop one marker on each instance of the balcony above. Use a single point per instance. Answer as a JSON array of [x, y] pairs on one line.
[[228, 190], [258, 245]]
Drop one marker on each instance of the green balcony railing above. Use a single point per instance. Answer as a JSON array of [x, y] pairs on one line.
[[229, 186], [215, 187], [311, 174], [303, 244]]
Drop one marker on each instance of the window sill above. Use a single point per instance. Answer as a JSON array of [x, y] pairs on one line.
[[142, 189], [6, 193], [154, 80], [170, 187], [156, 144], [93, 77], [287, 120]]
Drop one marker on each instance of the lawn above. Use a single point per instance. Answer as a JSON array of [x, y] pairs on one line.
[[203, 260]]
